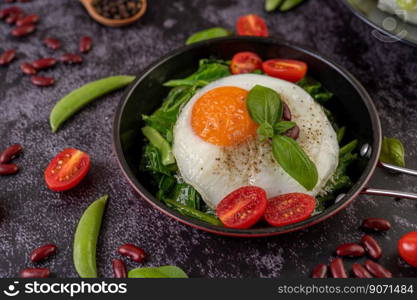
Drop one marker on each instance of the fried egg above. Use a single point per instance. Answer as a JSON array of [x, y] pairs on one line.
[[216, 147]]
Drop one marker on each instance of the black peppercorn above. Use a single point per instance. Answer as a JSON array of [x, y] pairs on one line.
[[117, 9]]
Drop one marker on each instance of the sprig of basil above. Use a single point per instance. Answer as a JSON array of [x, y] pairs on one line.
[[283, 126], [294, 161], [392, 152]]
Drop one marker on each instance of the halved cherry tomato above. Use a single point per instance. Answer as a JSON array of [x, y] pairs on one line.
[[289, 208], [287, 69], [242, 208], [245, 62], [67, 169], [251, 25], [407, 247]]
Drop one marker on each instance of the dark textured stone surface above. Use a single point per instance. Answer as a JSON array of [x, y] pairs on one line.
[[31, 215]]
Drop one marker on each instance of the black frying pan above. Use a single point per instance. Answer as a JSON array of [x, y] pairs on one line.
[[352, 107]]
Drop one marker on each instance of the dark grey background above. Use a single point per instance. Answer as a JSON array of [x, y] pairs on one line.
[[31, 215]]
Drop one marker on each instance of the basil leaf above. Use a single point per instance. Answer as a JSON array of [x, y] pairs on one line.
[[265, 131], [295, 161], [392, 152], [207, 34], [271, 5], [161, 272], [283, 126], [264, 105]]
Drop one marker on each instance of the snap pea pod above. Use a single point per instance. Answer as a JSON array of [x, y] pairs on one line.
[[194, 213], [86, 236], [159, 272], [77, 99], [207, 34], [290, 4], [271, 5]]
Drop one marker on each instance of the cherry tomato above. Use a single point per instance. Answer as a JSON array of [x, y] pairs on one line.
[[251, 25], [242, 208], [289, 208], [407, 247], [245, 62], [286, 69], [67, 169]]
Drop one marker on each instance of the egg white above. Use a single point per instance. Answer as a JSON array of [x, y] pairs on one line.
[[216, 171]]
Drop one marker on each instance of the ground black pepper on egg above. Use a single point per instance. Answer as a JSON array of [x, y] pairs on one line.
[[117, 9]]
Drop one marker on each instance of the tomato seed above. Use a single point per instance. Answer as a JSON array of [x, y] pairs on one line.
[[7, 57], [43, 252], [35, 273], [8, 169], [42, 81], [71, 58], [31, 19], [23, 30], [133, 252], [372, 247], [119, 268], [10, 153], [377, 270], [376, 224], [320, 271], [85, 44], [350, 250], [52, 43], [337, 268], [360, 271], [44, 63], [28, 69]]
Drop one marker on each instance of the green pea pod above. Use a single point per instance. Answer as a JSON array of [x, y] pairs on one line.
[[271, 5], [290, 4], [194, 213], [160, 272], [77, 99], [207, 34], [86, 236]]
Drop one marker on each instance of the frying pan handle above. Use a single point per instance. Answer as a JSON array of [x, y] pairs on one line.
[[389, 193], [397, 169]]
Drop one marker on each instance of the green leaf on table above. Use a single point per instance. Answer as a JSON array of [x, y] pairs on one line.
[[292, 158], [392, 152], [207, 34], [158, 272]]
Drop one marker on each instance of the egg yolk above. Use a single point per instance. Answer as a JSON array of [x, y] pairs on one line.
[[220, 117]]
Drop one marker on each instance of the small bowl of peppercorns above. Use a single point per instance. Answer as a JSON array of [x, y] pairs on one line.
[[115, 13]]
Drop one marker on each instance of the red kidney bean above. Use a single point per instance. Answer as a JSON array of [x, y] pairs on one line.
[[85, 44], [10, 153], [44, 63], [376, 224], [337, 268], [350, 250], [320, 271], [9, 1], [7, 57], [35, 273], [133, 252], [360, 271], [43, 252], [42, 81], [31, 19], [119, 268], [8, 169], [28, 69], [371, 246], [293, 133], [4, 13], [71, 58], [52, 43], [23, 30], [377, 270], [286, 115], [14, 17]]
